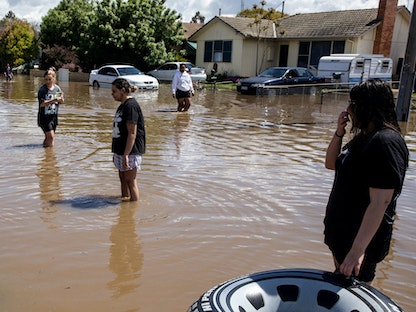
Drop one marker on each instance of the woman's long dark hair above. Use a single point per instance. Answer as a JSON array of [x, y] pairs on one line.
[[372, 103], [123, 84]]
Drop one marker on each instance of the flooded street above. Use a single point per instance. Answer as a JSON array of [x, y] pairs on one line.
[[235, 186]]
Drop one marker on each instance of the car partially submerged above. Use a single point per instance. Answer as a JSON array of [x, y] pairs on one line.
[[166, 71], [273, 77], [105, 75]]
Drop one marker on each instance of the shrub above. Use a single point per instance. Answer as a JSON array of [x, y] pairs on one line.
[[72, 67]]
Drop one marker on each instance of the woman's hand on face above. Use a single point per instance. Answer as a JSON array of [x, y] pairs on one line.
[[343, 120]]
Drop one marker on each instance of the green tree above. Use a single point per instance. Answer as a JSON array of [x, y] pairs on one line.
[[259, 26], [256, 11], [142, 32], [64, 30], [18, 41], [8, 18], [198, 18]]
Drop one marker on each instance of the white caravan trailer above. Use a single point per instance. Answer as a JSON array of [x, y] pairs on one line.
[[349, 69]]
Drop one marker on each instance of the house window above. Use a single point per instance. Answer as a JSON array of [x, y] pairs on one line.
[[303, 57], [311, 51], [218, 51], [385, 64], [360, 64], [319, 48], [338, 47]]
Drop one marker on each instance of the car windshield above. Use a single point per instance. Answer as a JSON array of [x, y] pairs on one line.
[[273, 72], [128, 71]]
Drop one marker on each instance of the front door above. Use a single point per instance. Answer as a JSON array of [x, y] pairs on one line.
[[283, 55]]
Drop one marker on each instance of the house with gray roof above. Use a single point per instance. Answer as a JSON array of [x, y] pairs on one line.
[[243, 47]]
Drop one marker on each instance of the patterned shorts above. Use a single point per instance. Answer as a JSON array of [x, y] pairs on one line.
[[134, 161]]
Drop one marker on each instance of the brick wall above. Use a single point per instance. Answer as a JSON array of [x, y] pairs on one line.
[[384, 33]]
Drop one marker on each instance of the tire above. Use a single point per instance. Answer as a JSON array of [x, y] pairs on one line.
[[95, 84], [293, 290]]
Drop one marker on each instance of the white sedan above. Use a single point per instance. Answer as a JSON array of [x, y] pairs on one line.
[[168, 70], [105, 75]]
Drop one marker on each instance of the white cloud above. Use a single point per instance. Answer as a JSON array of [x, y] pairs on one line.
[[30, 10]]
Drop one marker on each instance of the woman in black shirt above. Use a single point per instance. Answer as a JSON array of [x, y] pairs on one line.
[[369, 175], [129, 138]]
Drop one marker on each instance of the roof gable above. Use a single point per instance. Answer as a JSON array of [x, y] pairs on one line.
[[249, 28], [244, 26]]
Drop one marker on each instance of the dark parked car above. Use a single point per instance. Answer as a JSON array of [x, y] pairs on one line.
[[277, 76]]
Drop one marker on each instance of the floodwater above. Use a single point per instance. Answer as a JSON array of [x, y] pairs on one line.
[[235, 186]]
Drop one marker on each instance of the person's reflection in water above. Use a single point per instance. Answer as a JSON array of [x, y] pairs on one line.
[[126, 258], [181, 123], [49, 182], [7, 90]]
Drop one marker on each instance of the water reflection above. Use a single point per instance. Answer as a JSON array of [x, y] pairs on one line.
[[126, 257], [181, 123], [49, 177], [234, 186], [49, 182], [7, 89]]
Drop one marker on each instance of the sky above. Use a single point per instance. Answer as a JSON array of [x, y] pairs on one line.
[[34, 10]]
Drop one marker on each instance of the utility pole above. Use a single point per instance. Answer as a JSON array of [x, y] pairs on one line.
[[407, 77], [283, 7]]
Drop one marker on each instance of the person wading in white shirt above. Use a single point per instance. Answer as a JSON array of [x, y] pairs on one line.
[[182, 88]]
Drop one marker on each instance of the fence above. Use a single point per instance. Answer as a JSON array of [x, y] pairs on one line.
[[73, 76]]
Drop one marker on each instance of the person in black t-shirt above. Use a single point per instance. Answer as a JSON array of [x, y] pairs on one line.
[[50, 96], [369, 175], [129, 138]]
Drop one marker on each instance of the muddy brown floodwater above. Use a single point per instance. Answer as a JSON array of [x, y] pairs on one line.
[[235, 186]]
